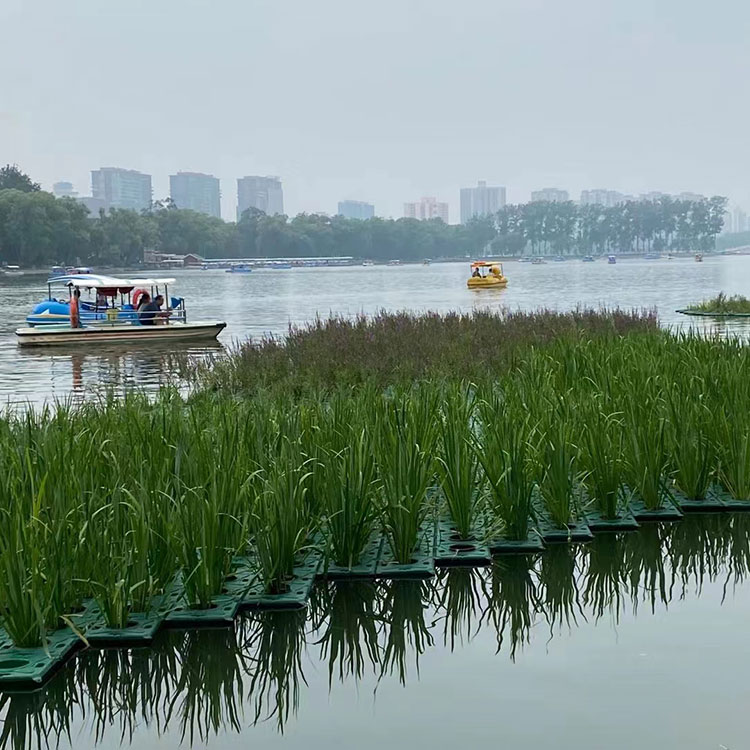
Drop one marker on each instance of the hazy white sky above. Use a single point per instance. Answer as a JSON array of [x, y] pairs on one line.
[[385, 100]]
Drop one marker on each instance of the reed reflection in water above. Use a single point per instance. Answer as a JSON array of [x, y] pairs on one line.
[[202, 684]]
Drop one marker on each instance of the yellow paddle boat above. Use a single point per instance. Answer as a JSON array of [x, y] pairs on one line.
[[486, 274]]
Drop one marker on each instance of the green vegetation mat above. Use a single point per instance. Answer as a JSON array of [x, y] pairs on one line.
[[709, 504], [732, 504], [422, 563], [366, 568], [28, 668], [668, 512], [452, 550], [625, 521], [221, 613], [552, 534], [250, 593], [501, 546]]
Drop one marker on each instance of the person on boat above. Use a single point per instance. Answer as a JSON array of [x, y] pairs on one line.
[[151, 313], [75, 318], [476, 273]]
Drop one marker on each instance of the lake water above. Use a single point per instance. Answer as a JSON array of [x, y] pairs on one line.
[[631, 641], [267, 301]]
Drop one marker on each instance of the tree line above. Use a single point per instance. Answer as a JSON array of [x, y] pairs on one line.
[[37, 229]]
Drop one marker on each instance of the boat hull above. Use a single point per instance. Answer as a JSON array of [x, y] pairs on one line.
[[488, 283], [50, 335]]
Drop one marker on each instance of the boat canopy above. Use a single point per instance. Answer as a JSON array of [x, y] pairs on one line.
[[485, 263], [96, 281]]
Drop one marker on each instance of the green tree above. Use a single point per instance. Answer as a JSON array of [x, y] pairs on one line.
[[12, 178]]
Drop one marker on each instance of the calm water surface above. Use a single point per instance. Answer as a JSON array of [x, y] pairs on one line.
[[634, 641], [267, 301]]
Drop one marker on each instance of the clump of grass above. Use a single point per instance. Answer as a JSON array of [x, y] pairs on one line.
[[647, 461], [691, 448], [348, 483], [723, 305], [604, 462], [558, 476], [457, 462], [502, 449], [407, 436]]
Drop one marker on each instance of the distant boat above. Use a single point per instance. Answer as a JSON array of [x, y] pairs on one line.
[[699, 258], [367, 263], [525, 259], [611, 259], [559, 259], [12, 270], [239, 268], [588, 259], [394, 262], [426, 262], [538, 261]]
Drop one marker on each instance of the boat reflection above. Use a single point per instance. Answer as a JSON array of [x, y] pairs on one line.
[[202, 684]]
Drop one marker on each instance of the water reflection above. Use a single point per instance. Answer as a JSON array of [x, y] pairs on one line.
[[201, 684]]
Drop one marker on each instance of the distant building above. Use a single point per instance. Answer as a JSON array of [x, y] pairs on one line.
[[64, 190], [553, 195], [94, 205], [121, 188], [356, 210], [481, 201], [197, 192], [426, 208], [654, 195], [601, 197], [738, 220], [695, 197], [263, 193]]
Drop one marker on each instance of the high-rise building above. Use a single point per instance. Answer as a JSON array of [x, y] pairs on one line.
[[356, 210], [654, 195], [263, 193], [197, 192], [426, 208], [64, 190], [552, 195], [739, 220], [600, 197], [481, 201], [121, 188]]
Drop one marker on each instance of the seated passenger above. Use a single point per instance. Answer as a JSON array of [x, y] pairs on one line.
[[148, 312]]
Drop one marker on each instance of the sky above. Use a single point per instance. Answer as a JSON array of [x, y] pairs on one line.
[[383, 101]]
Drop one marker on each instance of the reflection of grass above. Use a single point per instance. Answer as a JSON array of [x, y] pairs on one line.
[[457, 594], [351, 636], [738, 560], [606, 575], [274, 642], [403, 607], [722, 304], [514, 599], [699, 547], [209, 689], [558, 573], [40, 719], [644, 558]]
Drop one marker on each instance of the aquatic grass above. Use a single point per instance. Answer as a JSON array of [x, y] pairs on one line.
[[647, 462], [692, 448], [557, 474], [603, 462], [281, 527], [502, 450], [723, 305], [457, 462], [348, 483], [405, 451]]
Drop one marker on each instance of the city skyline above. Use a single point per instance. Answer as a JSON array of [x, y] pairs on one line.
[[488, 197]]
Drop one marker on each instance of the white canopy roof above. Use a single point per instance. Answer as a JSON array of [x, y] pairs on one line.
[[96, 281]]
